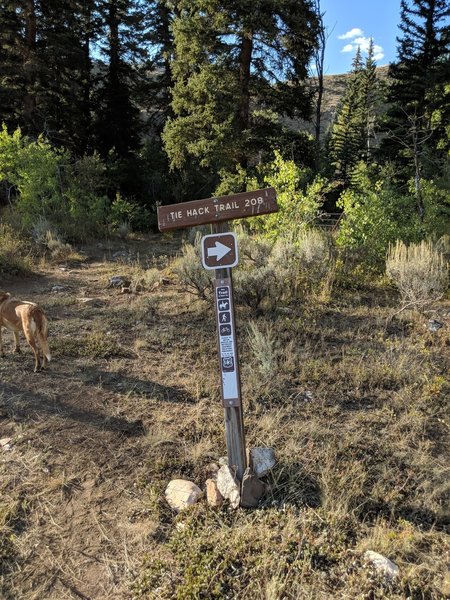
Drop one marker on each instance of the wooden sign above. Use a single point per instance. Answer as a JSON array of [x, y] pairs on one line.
[[216, 210]]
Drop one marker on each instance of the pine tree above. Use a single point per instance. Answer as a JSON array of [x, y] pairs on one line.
[[353, 131], [419, 111], [61, 73], [237, 67], [11, 69]]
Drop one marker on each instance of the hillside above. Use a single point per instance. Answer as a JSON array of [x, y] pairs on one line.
[[334, 89]]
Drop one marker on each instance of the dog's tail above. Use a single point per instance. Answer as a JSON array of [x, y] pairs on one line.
[[41, 323]]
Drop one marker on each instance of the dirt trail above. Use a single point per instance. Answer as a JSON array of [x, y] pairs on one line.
[[79, 438]]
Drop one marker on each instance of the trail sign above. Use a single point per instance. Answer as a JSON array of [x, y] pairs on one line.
[[219, 250], [216, 210]]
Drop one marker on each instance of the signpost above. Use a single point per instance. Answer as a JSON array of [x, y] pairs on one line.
[[220, 253]]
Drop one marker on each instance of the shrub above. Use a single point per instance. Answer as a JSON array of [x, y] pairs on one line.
[[419, 271], [14, 257], [261, 340], [49, 185], [255, 284], [193, 277], [304, 264], [299, 201]]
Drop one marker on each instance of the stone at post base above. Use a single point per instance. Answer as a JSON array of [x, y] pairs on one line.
[[252, 489], [181, 494], [213, 496], [262, 460], [228, 486]]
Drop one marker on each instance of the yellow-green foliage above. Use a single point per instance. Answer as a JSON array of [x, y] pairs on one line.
[[298, 202]]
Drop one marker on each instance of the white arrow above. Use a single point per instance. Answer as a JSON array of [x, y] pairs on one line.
[[219, 251]]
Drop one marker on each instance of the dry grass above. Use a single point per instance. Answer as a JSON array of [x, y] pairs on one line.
[[419, 271], [356, 413]]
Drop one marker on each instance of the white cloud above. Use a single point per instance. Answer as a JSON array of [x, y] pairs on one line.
[[351, 34], [361, 41]]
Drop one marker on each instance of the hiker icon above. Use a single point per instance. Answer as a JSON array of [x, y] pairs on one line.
[[225, 317]]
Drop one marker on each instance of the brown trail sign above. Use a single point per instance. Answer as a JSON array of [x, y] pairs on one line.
[[219, 252], [216, 210]]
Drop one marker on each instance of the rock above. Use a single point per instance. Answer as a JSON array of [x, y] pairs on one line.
[[181, 494], [228, 486], [213, 496], [434, 325], [90, 301], [118, 281], [5, 444], [252, 489], [57, 289], [382, 564], [120, 254], [262, 460], [223, 461]]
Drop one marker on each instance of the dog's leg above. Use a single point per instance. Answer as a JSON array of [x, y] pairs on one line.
[[17, 340], [34, 347]]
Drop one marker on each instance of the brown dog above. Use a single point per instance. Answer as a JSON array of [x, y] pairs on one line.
[[17, 315]]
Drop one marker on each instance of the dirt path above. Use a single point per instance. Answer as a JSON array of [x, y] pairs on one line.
[[79, 436]]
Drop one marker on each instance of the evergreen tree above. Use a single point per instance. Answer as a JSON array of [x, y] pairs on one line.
[[238, 67], [41, 62], [353, 128], [61, 73], [11, 68], [419, 108], [117, 115]]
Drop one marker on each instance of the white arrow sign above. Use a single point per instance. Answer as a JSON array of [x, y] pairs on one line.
[[219, 251]]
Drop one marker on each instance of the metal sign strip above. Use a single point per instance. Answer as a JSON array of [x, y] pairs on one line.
[[226, 333], [216, 210]]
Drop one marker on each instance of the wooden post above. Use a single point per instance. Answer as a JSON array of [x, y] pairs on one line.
[[234, 422]]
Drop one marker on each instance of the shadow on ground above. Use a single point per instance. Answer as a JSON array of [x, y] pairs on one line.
[[121, 383], [21, 405]]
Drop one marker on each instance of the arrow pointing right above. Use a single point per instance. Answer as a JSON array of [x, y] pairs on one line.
[[219, 251]]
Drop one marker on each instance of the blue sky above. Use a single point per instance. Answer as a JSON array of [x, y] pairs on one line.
[[353, 22]]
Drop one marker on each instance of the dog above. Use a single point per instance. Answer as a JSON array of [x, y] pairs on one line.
[[17, 315]]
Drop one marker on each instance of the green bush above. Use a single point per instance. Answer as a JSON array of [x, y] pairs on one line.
[[190, 271], [49, 185], [299, 200], [376, 213]]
